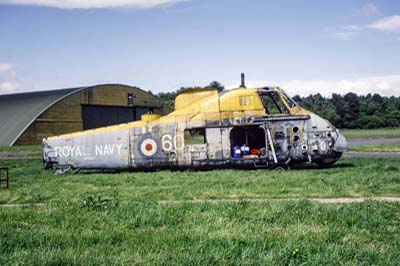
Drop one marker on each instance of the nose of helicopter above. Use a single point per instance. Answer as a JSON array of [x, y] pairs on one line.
[[319, 124], [340, 142], [326, 142]]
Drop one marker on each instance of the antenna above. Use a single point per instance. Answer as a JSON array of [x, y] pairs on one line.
[[242, 81]]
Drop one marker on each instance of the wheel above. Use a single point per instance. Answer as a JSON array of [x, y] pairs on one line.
[[281, 168]]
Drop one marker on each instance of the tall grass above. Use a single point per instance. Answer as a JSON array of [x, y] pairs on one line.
[[351, 177], [117, 219], [70, 232]]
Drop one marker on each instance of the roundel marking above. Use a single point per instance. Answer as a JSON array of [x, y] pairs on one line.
[[148, 147]]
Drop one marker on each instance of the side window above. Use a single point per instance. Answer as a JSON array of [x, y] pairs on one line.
[[195, 136], [130, 99]]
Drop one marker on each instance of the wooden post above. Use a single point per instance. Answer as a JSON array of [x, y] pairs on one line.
[[7, 177]]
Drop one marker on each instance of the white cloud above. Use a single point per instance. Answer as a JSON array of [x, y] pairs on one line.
[[385, 85], [370, 10], [352, 27], [343, 35], [5, 67], [8, 87], [387, 24], [390, 24], [348, 32], [86, 4], [7, 79]]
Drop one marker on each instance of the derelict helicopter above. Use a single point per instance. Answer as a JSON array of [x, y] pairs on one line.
[[238, 128]]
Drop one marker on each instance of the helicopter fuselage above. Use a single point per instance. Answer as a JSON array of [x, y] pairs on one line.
[[207, 130]]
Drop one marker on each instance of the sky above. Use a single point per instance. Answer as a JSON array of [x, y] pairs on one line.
[[305, 47]]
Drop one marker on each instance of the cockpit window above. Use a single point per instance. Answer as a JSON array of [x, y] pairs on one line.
[[289, 100], [273, 104]]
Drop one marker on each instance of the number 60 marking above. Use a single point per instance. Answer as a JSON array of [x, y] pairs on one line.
[[168, 142]]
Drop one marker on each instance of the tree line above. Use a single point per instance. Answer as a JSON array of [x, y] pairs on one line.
[[355, 111], [343, 111]]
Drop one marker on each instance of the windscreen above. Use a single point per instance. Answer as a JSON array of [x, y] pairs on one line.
[[273, 104], [292, 103]]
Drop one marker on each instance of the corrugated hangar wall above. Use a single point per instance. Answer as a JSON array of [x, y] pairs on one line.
[[81, 109]]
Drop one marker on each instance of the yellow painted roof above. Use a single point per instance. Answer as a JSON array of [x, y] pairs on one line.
[[207, 104]]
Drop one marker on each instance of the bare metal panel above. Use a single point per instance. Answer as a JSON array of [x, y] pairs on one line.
[[98, 150], [213, 136]]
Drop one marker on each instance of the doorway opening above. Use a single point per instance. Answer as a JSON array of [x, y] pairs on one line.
[[250, 140]]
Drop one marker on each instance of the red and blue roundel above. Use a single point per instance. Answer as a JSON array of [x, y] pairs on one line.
[[148, 147]]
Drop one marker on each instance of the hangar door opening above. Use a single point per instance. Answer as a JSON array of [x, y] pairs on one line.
[[95, 116]]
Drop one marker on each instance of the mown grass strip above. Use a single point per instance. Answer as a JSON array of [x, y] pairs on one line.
[[319, 200], [33, 148], [387, 147], [371, 133]]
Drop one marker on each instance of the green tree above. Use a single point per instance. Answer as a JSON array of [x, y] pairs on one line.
[[216, 85], [168, 98]]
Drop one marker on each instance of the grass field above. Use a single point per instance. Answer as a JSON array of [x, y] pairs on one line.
[[35, 148], [371, 133], [117, 219], [388, 147], [348, 178]]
